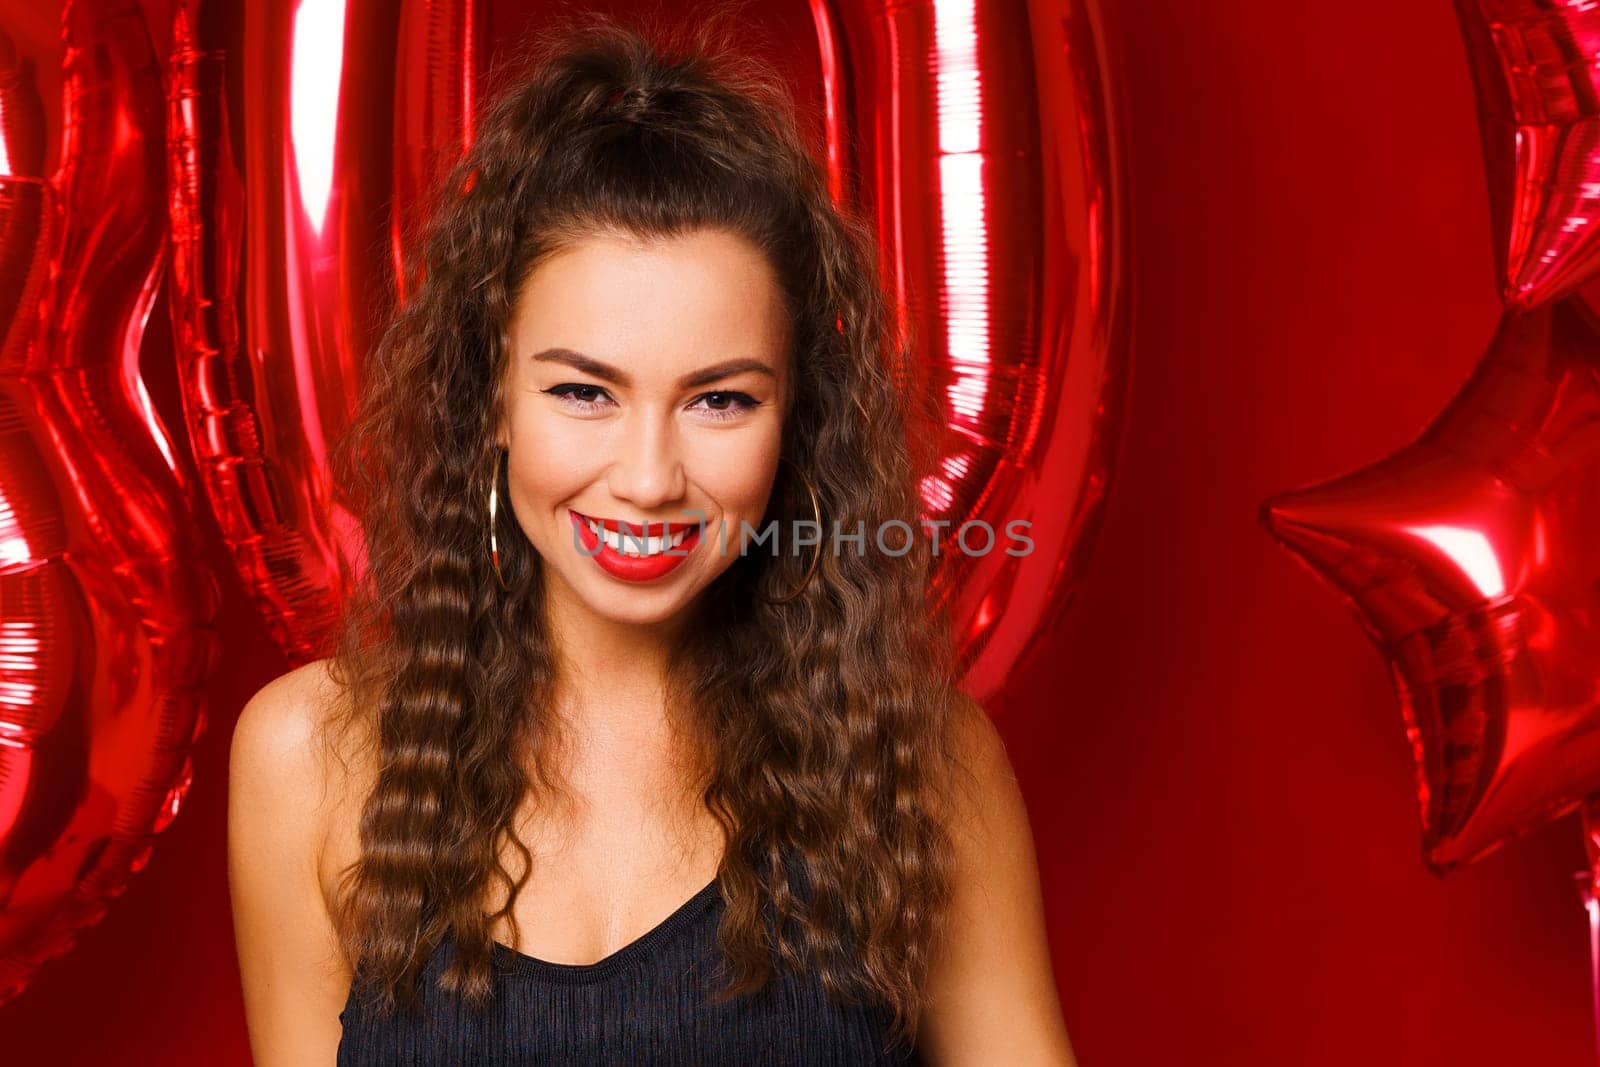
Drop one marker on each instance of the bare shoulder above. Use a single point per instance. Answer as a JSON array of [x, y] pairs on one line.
[[981, 752], [991, 988], [283, 716], [286, 784], [985, 811], [280, 719], [282, 739], [981, 797]]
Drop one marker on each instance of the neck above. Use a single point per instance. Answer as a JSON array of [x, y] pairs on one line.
[[612, 674]]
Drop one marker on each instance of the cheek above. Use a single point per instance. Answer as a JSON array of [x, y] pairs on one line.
[[551, 461], [737, 473]]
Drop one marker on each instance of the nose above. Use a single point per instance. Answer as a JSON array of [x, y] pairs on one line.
[[647, 470]]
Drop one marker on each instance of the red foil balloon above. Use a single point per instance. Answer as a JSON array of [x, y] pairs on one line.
[[1538, 87], [1589, 892], [1470, 558], [990, 151], [285, 156], [105, 623]]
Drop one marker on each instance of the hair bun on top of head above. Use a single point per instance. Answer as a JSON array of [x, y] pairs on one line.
[[628, 100]]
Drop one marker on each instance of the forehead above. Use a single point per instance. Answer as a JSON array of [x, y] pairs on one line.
[[700, 296]]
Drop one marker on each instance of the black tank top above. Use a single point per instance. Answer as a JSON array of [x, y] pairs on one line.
[[646, 1003]]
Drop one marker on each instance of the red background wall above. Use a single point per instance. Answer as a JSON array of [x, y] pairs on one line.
[[1212, 755]]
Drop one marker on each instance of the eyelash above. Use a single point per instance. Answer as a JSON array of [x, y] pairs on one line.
[[748, 402]]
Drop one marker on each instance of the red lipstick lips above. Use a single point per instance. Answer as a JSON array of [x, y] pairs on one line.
[[634, 568]]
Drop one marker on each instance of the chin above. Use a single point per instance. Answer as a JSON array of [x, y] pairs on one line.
[[636, 607]]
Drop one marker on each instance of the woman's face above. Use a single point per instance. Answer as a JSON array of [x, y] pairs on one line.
[[647, 385]]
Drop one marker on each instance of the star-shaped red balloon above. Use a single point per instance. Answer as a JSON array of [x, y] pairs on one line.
[[1472, 557], [1538, 90]]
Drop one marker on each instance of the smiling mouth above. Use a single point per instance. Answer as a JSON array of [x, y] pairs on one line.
[[638, 538]]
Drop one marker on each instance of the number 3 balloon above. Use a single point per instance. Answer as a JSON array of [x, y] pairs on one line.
[[106, 633]]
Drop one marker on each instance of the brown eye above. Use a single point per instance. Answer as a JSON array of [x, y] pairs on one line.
[[724, 405], [569, 391]]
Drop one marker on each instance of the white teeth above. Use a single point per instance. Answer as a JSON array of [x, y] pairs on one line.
[[629, 544]]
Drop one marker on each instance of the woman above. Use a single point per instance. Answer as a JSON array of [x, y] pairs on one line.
[[601, 769]]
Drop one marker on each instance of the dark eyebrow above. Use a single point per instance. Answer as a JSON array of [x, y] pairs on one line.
[[606, 372]]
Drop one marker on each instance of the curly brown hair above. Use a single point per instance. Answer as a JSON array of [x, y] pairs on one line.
[[825, 720]]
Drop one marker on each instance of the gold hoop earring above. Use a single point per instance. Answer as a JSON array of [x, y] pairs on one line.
[[494, 545], [816, 556]]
